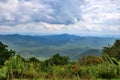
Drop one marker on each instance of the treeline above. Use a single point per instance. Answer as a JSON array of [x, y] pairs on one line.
[[14, 66]]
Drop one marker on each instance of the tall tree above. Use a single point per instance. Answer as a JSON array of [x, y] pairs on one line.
[[114, 50], [5, 54]]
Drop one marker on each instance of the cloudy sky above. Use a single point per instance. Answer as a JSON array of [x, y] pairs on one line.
[[42, 17]]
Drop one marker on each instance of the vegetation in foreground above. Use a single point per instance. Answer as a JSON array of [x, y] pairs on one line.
[[15, 67]]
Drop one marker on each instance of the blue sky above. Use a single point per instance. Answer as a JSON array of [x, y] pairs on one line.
[[79, 17]]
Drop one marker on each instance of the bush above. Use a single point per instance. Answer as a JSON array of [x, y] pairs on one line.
[[3, 72], [15, 67], [90, 60]]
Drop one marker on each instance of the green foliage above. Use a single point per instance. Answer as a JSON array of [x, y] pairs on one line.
[[114, 50], [110, 67], [90, 60], [34, 59], [3, 72], [57, 60], [20, 57], [30, 71], [15, 67], [5, 54], [108, 71], [60, 68]]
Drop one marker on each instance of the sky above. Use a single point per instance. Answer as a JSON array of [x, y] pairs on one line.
[[46, 17]]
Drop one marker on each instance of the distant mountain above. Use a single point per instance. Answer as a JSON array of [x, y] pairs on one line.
[[46, 46], [91, 52]]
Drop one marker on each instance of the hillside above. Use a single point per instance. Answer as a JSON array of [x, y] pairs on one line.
[[46, 46], [92, 52]]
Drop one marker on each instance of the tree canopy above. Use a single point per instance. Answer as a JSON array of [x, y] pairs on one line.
[[5, 54], [113, 51], [57, 60]]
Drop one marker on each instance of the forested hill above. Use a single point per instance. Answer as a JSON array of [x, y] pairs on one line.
[[45, 46]]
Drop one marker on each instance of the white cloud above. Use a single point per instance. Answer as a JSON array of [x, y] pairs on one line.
[[18, 10], [101, 16], [46, 28], [51, 16], [98, 11], [50, 11]]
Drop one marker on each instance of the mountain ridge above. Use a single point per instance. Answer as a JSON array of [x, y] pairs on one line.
[[45, 46]]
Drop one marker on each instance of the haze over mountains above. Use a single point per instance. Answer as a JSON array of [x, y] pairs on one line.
[[47, 45]]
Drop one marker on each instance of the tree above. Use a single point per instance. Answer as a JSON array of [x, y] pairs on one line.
[[57, 60], [20, 57], [5, 54], [34, 59], [113, 51]]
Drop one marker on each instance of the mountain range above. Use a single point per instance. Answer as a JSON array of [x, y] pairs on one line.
[[45, 46]]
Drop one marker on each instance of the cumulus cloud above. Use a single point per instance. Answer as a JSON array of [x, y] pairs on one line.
[[102, 16], [50, 11], [60, 16], [19, 11]]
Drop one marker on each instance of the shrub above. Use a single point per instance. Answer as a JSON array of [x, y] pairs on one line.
[[90, 60]]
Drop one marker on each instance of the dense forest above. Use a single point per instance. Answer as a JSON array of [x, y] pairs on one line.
[[15, 67]]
